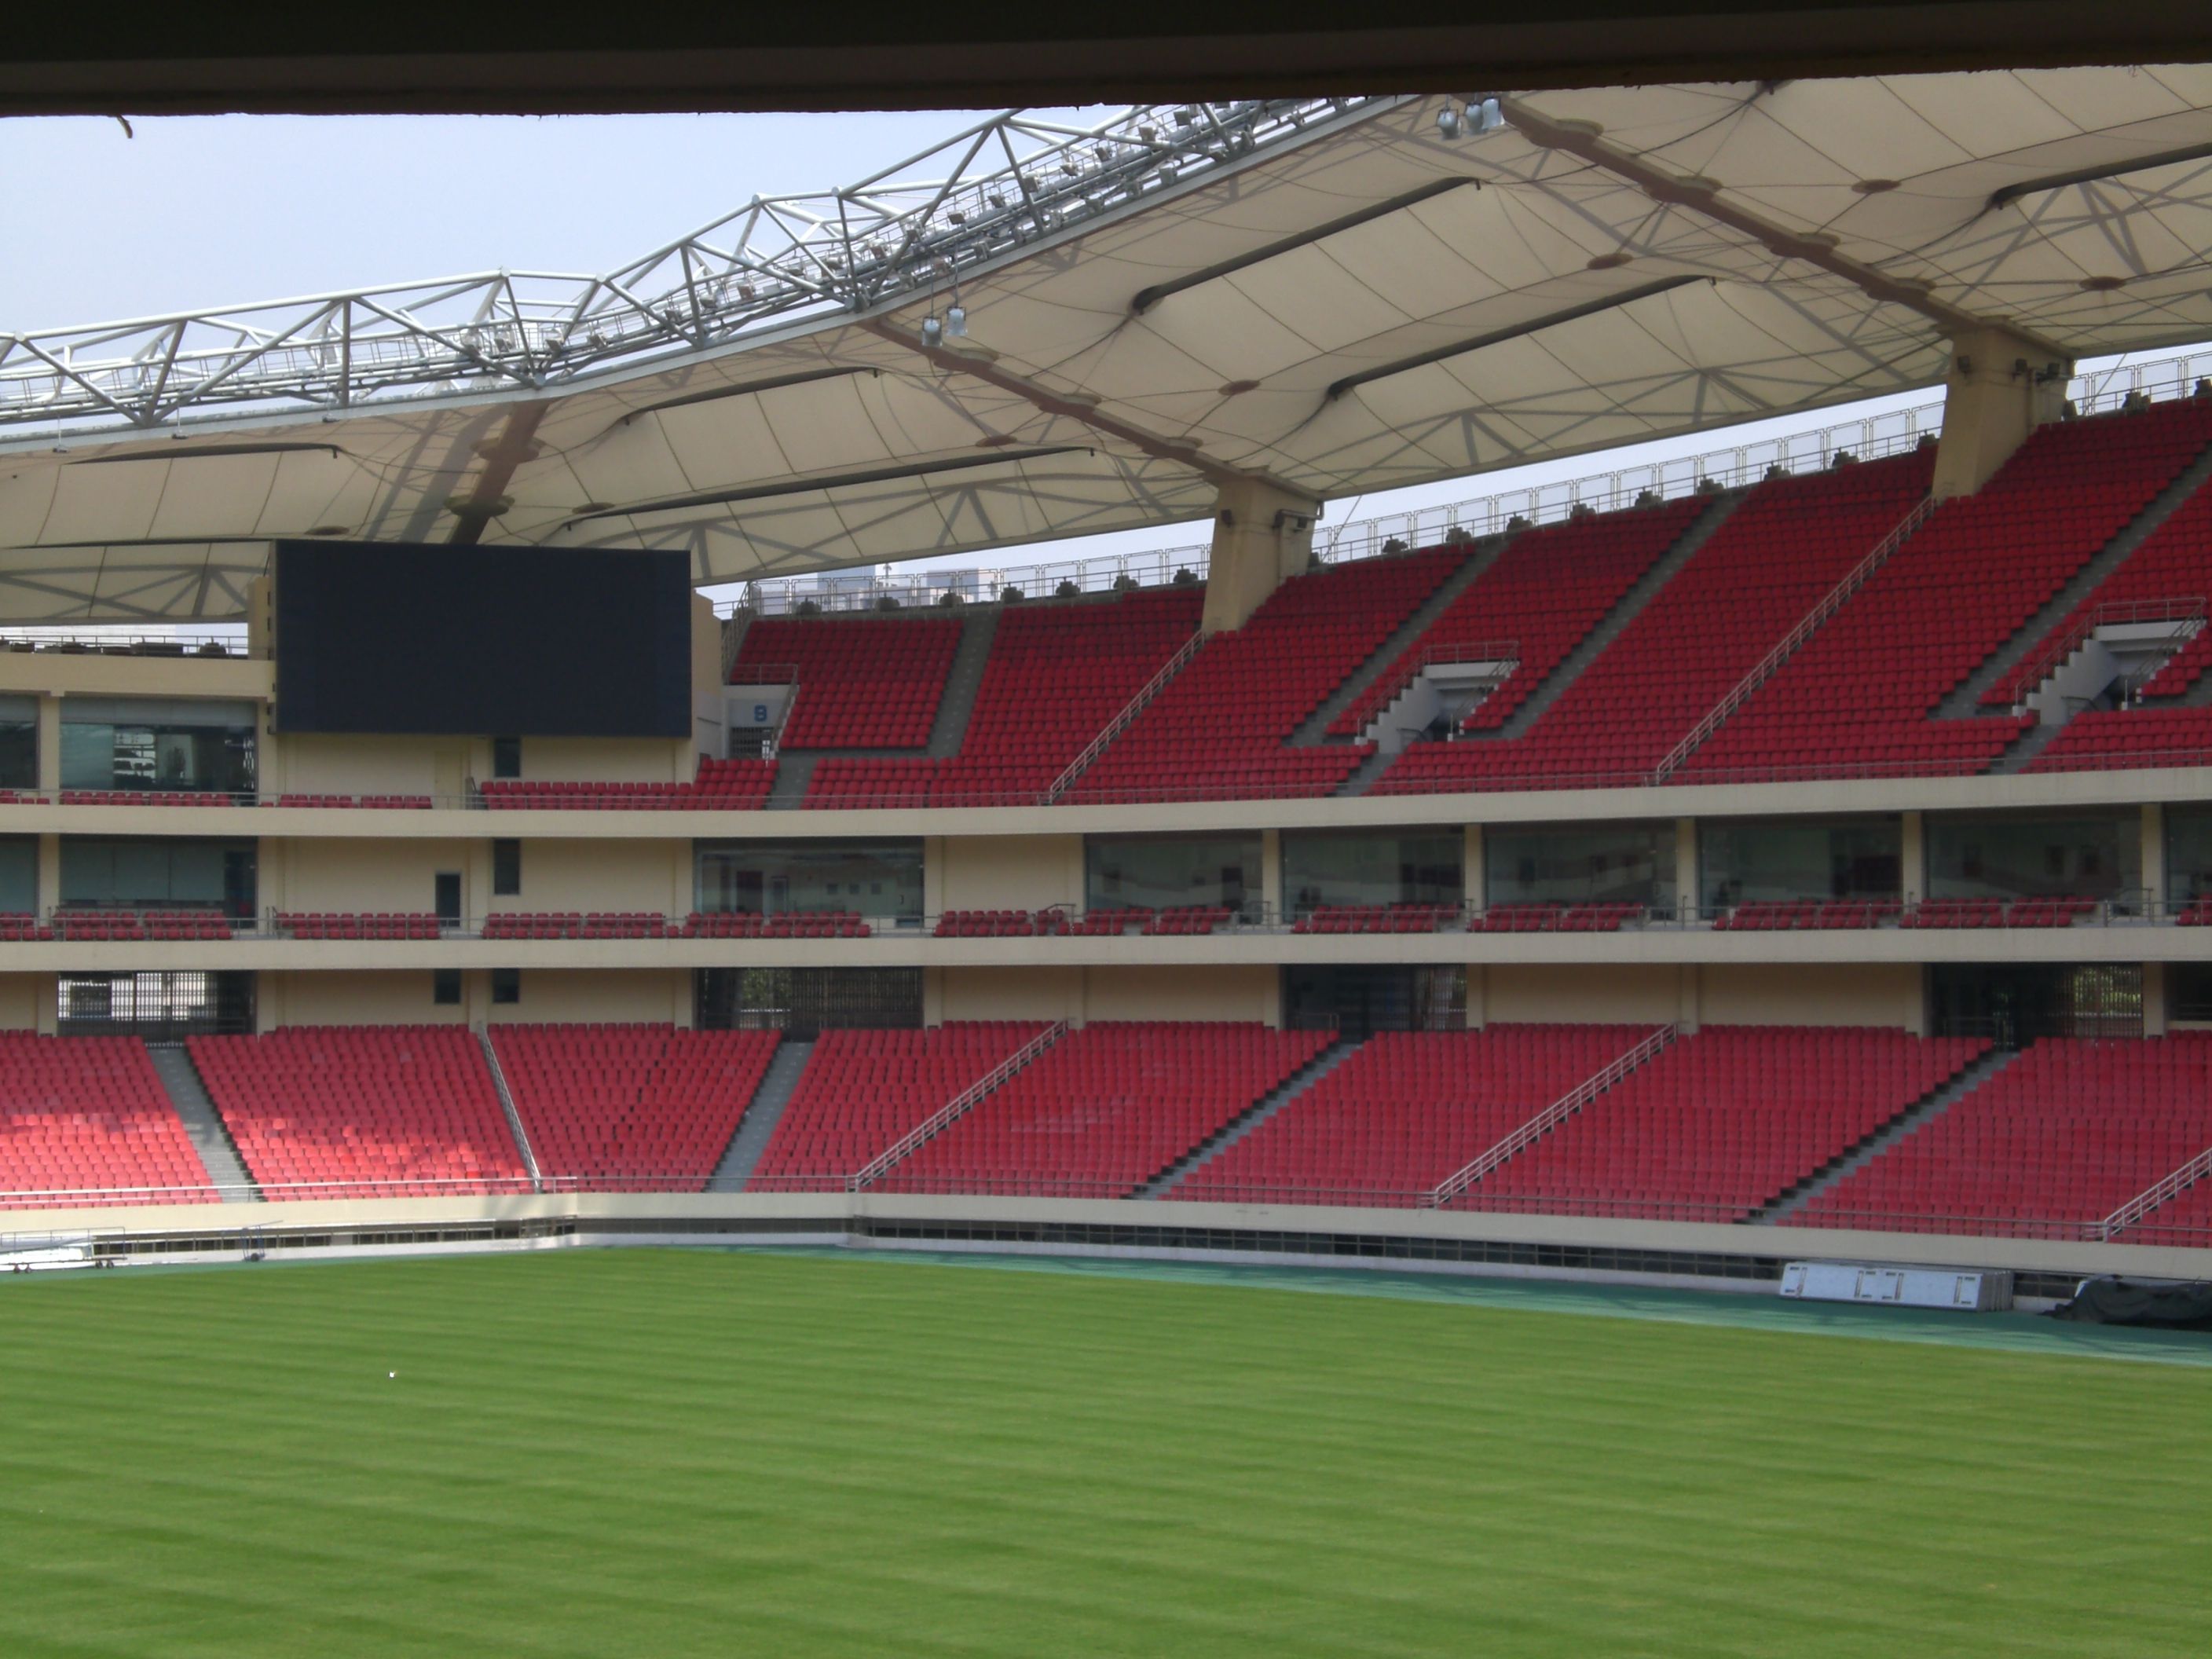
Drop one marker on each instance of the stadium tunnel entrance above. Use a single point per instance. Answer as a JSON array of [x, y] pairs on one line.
[[2014, 1004], [1359, 1001]]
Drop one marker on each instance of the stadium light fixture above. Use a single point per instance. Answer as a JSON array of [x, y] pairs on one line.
[[955, 321], [1448, 122], [933, 332], [1488, 115]]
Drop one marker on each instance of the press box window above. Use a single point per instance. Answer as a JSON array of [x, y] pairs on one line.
[[506, 985], [506, 869], [506, 757], [446, 987]]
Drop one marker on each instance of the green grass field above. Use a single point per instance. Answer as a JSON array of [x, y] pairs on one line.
[[667, 1453]]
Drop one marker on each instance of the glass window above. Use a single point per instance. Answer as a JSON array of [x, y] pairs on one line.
[[506, 985], [2188, 854], [506, 757], [158, 1006], [2189, 991], [1796, 859], [116, 743], [1357, 1001], [169, 873], [1606, 864], [506, 869], [19, 874], [805, 1001], [446, 987], [19, 742], [876, 879], [1372, 867], [1158, 873], [2090, 855]]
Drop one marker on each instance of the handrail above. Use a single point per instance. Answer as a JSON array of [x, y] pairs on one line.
[[1830, 603], [2110, 613], [790, 704], [1122, 722], [944, 1117], [2152, 1196], [1550, 1118]]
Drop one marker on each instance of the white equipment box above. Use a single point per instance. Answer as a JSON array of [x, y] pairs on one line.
[[1898, 1287]]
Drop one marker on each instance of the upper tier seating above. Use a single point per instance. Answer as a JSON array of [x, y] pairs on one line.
[[1057, 675], [136, 925], [2127, 740], [388, 803], [862, 1090], [1105, 1109], [1723, 1123], [1001, 924], [1857, 697], [638, 1108], [1404, 1111], [1784, 546], [1542, 917], [414, 924], [1998, 913], [1543, 592], [1218, 730], [2062, 1137], [88, 1116], [863, 683], [362, 1110], [152, 798], [722, 785]]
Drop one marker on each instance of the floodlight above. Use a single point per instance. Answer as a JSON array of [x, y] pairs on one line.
[[1448, 121], [933, 333], [955, 321], [1488, 116]]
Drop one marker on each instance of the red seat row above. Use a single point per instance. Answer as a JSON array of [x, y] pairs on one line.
[[86, 1120], [720, 786], [863, 682], [1376, 919]]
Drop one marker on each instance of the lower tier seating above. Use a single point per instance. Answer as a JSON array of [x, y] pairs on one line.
[[862, 1090], [1403, 1112], [1376, 919], [1721, 1123], [1106, 1108], [2184, 1219], [785, 924], [1786, 915], [630, 1107], [593, 924], [2128, 739], [1001, 924], [362, 1110], [133, 925], [1547, 918], [87, 1116], [1998, 913], [2057, 1140], [381, 925]]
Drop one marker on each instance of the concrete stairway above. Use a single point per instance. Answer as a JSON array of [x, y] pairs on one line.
[[1315, 728], [2026, 747], [964, 681], [1250, 1119], [1933, 1106], [792, 774], [1964, 701], [762, 1115], [1625, 611], [204, 1125], [506, 1105]]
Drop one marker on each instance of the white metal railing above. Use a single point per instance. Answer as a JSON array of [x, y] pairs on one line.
[[1807, 625], [2151, 1197], [1549, 1119], [1122, 722], [958, 1107]]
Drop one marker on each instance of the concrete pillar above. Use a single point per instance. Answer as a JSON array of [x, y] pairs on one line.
[[2153, 975], [50, 743], [932, 997], [1272, 892], [2154, 857], [1912, 859], [1689, 997], [260, 616], [1262, 537], [1688, 893], [49, 1011], [1478, 995], [2001, 389]]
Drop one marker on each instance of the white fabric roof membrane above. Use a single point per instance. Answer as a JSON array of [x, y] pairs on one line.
[[1368, 307]]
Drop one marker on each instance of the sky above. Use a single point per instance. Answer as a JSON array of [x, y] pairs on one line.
[[193, 213]]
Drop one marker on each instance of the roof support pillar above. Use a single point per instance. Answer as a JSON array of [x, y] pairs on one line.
[[1262, 537], [2001, 388]]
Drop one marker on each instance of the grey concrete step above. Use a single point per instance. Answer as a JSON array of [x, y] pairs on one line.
[[1315, 728], [792, 774], [1626, 609], [762, 1113], [2026, 747], [964, 680], [1925, 1111], [1238, 1127], [506, 1105], [1964, 701], [1363, 776], [204, 1125]]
